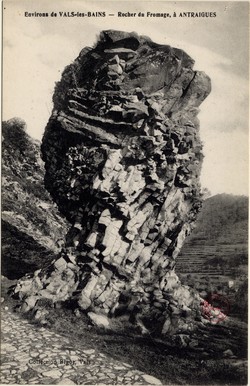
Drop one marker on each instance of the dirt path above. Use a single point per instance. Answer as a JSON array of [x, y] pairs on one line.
[[35, 355]]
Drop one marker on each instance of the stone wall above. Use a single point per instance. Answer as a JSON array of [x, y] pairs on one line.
[[123, 157]]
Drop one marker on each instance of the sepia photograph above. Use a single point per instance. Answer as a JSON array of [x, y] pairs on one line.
[[124, 231]]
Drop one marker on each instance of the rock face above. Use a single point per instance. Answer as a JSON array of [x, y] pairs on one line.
[[31, 223], [123, 156]]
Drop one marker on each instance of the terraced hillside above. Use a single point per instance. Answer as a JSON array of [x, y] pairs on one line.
[[214, 256]]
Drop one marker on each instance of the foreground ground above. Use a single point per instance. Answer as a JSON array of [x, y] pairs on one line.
[[39, 354], [36, 355]]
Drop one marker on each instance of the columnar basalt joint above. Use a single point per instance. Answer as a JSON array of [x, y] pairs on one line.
[[123, 156]]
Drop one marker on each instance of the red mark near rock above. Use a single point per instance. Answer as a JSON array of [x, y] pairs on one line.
[[216, 308]]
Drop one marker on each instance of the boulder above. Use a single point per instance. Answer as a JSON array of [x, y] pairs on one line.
[[99, 320], [151, 380], [123, 156], [29, 303], [228, 353]]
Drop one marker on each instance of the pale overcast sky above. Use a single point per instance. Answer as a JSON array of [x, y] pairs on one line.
[[36, 50]]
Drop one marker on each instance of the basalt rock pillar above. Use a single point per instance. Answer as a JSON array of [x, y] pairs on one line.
[[123, 157]]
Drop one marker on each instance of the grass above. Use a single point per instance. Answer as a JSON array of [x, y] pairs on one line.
[[172, 365]]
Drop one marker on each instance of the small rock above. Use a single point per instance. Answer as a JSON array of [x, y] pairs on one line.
[[52, 374], [99, 320], [77, 312], [89, 352], [45, 381], [228, 353], [127, 365], [119, 368], [6, 308], [205, 354], [40, 314], [29, 303], [193, 343], [65, 381], [60, 264], [166, 327], [151, 380], [2, 300], [84, 302]]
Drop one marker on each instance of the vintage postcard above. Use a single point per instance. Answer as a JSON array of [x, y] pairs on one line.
[[124, 192]]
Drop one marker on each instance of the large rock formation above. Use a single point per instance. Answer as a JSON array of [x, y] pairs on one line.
[[123, 156]]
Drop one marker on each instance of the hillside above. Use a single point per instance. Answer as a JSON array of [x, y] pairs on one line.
[[31, 223], [214, 257]]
